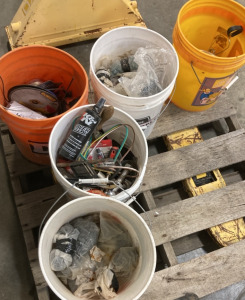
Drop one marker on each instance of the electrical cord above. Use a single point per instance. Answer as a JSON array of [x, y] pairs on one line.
[[131, 146], [122, 145], [86, 153]]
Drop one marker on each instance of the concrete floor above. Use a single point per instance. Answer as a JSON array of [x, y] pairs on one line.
[[16, 278]]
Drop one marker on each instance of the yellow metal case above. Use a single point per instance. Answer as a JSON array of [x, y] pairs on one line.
[[56, 23]]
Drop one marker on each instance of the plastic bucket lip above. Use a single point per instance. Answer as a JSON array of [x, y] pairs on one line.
[[122, 196], [147, 235], [42, 121], [197, 53], [126, 98]]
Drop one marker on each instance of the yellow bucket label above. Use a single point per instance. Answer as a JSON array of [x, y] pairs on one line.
[[211, 89]]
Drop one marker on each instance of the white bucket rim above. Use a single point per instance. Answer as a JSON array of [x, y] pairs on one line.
[[123, 195], [125, 98], [109, 199]]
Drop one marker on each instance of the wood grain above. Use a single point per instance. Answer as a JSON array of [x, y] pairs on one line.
[[197, 213], [186, 162], [174, 119], [201, 276]]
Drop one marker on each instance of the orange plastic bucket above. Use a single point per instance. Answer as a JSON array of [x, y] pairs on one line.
[[208, 56], [22, 65]]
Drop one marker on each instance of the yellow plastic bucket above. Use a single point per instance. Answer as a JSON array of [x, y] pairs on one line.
[[210, 51]]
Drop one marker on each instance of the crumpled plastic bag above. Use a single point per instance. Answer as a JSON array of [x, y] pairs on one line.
[[124, 261], [88, 237], [151, 76], [113, 235], [96, 254], [64, 247], [85, 290], [106, 283], [59, 260], [23, 111], [77, 268], [105, 286]]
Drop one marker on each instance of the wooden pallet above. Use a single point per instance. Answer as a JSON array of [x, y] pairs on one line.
[[178, 222]]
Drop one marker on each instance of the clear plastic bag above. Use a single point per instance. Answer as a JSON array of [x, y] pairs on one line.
[[151, 76], [85, 290], [64, 247], [113, 235], [88, 237], [106, 283], [79, 264], [124, 261]]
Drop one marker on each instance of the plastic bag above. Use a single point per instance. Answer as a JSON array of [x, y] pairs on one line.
[[113, 235], [151, 76], [85, 290], [79, 264], [123, 64], [106, 283], [124, 261], [96, 254], [64, 247], [88, 237], [23, 111]]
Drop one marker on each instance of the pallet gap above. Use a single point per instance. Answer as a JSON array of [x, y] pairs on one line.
[[162, 196], [36, 180], [208, 131], [160, 263], [194, 245], [233, 173], [156, 146], [11, 138]]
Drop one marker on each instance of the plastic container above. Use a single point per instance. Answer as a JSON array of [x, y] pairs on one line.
[[200, 29], [45, 63], [136, 226], [139, 149], [117, 42]]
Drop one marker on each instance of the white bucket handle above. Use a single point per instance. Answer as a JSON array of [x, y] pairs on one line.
[[170, 99]]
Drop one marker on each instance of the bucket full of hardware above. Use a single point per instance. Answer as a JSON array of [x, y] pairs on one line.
[[209, 38], [127, 262], [39, 84], [135, 70], [108, 158]]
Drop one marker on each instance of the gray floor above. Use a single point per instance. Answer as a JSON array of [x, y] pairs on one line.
[[16, 278]]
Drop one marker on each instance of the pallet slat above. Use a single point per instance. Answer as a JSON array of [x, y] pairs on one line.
[[226, 150], [32, 213], [197, 213], [175, 119], [201, 276]]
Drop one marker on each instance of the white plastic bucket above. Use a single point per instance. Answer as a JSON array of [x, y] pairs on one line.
[[128, 39], [139, 149], [136, 226]]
